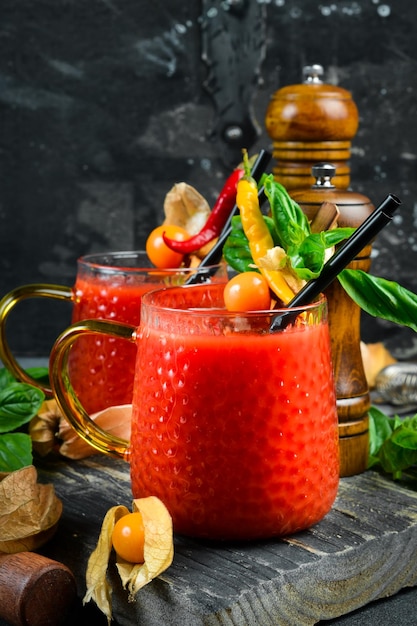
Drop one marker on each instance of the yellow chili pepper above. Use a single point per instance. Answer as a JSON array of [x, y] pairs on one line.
[[259, 237]]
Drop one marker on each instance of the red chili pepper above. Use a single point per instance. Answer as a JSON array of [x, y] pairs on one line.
[[216, 220]]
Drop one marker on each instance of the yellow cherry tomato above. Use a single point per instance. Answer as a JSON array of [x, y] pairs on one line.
[[248, 291], [157, 250], [128, 537]]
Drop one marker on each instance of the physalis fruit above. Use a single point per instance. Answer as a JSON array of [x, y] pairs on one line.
[[158, 552]]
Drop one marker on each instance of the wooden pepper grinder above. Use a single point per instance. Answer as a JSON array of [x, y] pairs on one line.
[[310, 123], [34, 590], [353, 400]]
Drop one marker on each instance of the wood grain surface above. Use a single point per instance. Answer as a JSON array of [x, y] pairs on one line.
[[366, 548]]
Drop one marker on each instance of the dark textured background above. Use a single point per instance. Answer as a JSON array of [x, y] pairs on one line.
[[104, 105]]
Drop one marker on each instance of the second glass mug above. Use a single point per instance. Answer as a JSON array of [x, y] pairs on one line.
[[108, 286], [234, 427]]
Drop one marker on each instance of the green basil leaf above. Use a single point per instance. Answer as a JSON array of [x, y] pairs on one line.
[[392, 442], [380, 428], [19, 402], [290, 221], [308, 259], [236, 251], [41, 374], [336, 235], [399, 451], [238, 261], [15, 451], [238, 257], [271, 225], [380, 297], [5, 378]]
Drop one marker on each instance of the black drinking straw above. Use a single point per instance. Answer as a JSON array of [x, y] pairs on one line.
[[216, 253], [379, 218]]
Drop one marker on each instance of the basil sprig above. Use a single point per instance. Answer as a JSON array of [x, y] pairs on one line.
[[290, 230], [19, 403], [305, 252]]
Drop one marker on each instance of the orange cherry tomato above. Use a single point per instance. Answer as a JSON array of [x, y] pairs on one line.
[[157, 250], [248, 291], [128, 537]]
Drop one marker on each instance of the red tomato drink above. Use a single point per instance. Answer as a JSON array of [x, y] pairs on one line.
[[110, 286], [102, 368], [234, 427]]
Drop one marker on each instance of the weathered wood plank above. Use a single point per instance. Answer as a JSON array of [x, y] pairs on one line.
[[366, 548]]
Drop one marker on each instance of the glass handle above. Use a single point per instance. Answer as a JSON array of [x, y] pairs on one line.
[[7, 304], [65, 395]]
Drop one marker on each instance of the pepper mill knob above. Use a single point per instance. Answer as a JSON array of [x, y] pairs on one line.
[[324, 174], [313, 73], [309, 123]]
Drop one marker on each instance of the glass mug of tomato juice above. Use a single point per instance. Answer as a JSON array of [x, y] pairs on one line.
[[108, 286], [234, 427]]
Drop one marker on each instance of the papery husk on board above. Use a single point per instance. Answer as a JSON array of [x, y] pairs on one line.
[[375, 357], [158, 553], [50, 430], [29, 511]]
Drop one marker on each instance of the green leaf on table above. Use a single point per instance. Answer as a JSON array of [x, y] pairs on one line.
[[5, 378], [380, 429], [392, 442], [41, 374], [380, 297], [19, 402], [15, 451]]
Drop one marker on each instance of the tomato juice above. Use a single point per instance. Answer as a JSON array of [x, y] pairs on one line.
[[233, 427], [102, 368], [110, 286]]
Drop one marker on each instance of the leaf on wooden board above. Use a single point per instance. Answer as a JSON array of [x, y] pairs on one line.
[[29, 511], [19, 402], [158, 553], [15, 452]]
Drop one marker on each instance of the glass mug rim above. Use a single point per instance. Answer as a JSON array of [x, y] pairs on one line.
[[150, 300], [134, 262]]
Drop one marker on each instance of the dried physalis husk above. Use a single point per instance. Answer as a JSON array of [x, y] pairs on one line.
[[158, 553], [29, 511], [44, 426], [115, 420], [184, 206], [50, 430], [375, 357]]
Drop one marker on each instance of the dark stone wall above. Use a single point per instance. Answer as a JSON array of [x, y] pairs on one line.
[[106, 104]]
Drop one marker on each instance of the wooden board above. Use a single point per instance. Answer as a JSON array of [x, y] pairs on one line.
[[366, 548]]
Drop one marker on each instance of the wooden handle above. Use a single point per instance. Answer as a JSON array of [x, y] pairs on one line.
[[34, 590]]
